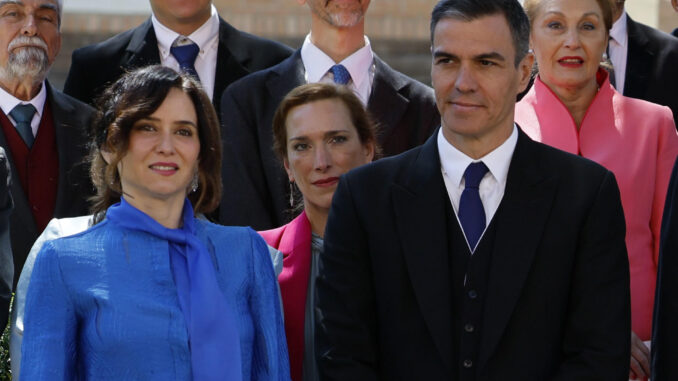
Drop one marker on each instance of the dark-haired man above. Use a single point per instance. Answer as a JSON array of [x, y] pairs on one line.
[[481, 255], [256, 189], [178, 30]]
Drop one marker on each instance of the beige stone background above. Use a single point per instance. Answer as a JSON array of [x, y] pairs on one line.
[[398, 29]]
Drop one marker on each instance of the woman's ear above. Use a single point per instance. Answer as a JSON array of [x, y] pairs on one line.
[[290, 175], [369, 150], [107, 155]]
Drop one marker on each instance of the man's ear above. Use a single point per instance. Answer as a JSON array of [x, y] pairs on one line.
[[525, 71]]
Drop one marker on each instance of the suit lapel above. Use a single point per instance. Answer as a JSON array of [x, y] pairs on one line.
[[520, 220], [289, 74], [142, 49], [22, 211], [422, 227], [229, 67], [639, 63], [386, 103], [69, 131]]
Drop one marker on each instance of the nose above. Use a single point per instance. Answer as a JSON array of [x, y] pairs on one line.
[[165, 143], [322, 159], [572, 38], [29, 28], [465, 81]]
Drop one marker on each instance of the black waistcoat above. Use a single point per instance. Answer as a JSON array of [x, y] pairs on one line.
[[469, 277]]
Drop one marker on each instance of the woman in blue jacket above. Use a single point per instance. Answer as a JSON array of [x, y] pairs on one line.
[[151, 292]]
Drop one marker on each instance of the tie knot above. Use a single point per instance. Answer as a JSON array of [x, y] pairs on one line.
[[341, 75], [23, 113], [185, 54], [474, 173]]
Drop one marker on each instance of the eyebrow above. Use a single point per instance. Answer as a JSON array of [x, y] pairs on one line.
[[175, 122], [482, 56], [584, 15], [327, 134]]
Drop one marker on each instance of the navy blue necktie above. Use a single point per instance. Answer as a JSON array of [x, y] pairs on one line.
[[471, 211], [23, 115], [341, 75], [186, 55]]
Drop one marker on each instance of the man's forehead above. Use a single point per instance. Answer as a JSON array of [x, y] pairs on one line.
[[478, 35], [51, 4]]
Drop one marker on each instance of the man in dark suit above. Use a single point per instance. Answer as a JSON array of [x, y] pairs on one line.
[[481, 254], [224, 55], [6, 262], [256, 191], [645, 61], [43, 130]]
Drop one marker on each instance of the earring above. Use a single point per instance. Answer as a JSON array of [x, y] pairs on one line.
[[291, 194], [604, 56], [194, 183]]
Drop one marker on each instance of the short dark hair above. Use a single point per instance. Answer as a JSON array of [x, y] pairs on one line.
[[313, 92], [469, 10], [135, 96]]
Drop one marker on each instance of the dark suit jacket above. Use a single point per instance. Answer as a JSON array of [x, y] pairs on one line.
[[6, 262], [664, 328], [94, 67], [557, 304], [71, 121], [256, 189], [651, 65]]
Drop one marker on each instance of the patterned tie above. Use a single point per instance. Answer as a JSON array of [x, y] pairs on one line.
[[471, 211], [186, 55], [341, 75], [22, 115]]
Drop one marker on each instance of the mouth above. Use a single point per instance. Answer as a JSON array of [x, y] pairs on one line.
[[465, 106], [326, 182], [571, 61], [164, 169]]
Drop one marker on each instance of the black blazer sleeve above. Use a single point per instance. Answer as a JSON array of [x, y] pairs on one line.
[[6, 262], [665, 318]]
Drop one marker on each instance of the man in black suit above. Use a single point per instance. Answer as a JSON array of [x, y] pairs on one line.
[[481, 254], [645, 61], [224, 55], [664, 328], [256, 191], [6, 262], [43, 131]]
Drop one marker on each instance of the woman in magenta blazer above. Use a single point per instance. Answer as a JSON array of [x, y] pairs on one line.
[[572, 106], [320, 132]]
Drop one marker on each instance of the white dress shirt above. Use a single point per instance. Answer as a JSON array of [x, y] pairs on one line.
[[619, 50], [360, 65], [453, 164], [9, 101], [206, 37]]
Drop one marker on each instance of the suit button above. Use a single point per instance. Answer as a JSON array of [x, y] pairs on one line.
[[469, 328], [468, 363], [472, 294]]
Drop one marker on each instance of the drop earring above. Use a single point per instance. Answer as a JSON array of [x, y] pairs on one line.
[[291, 194], [194, 183]]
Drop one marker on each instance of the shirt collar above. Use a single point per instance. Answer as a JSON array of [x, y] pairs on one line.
[[9, 101], [203, 36], [454, 162], [317, 63], [618, 31]]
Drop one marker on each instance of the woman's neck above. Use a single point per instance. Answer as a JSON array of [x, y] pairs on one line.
[[577, 99], [165, 212], [318, 219]]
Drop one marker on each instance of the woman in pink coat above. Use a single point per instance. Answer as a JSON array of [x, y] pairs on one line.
[[572, 106], [320, 132]]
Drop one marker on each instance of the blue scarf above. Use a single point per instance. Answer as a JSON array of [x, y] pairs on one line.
[[213, 334]]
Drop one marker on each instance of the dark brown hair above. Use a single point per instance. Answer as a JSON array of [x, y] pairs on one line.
[[313, 92], [136, 95]]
